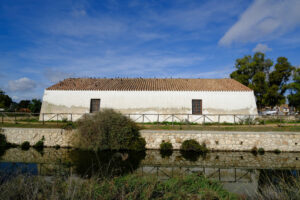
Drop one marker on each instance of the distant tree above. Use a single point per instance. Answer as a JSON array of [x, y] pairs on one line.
[[35, 105], [294, 87], [5, 100], [24, 104]]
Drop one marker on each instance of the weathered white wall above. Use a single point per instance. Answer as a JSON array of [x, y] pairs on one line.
[[149, 102]]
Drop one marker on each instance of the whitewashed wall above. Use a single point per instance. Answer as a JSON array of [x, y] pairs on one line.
[[150, 102]]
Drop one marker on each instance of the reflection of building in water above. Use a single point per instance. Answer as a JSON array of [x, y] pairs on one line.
[[240, 172]]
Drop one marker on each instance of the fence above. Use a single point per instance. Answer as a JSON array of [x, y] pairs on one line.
[[17, 117]]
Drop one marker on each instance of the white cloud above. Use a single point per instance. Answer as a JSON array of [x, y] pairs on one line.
[[263, 20], [21, 85], [261, 48]]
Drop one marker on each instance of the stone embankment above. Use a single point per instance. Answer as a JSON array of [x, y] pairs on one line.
[[214, 140]]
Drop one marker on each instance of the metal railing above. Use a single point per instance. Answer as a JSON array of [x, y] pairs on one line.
[[172, 119]]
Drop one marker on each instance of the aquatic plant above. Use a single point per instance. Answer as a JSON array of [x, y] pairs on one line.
[[25, 145], [108, 129], [132, 187], [261, 151], [193, 145], [166, 146], [40, 144], [3, 141]]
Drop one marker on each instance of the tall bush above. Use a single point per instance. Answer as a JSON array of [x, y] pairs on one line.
[[108, 129]]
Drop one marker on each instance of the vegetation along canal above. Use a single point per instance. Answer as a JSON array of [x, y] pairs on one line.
[[243, 173]]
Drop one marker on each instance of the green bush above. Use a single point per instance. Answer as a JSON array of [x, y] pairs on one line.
[[166, 146], [261, 151], [277, 151], [25, 145], [193, 145], [108, 129], [69, 126], [254, 151], [57, 146], [40, 144], [3, 142]]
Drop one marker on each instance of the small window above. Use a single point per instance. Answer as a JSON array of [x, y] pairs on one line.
[[197, 107], [95, 105]]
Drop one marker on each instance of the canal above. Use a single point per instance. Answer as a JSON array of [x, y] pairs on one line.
[[240, 172]]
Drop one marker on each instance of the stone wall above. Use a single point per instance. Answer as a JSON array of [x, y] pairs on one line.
[[52, 137], [226, 141], [215, 140]]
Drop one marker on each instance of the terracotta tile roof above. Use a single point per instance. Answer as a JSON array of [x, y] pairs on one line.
[[149, 84]]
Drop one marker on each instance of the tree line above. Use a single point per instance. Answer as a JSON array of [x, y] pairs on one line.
[[272, 84], [9, 105]]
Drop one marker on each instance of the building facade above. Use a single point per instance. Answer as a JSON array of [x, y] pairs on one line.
[[150, 100]]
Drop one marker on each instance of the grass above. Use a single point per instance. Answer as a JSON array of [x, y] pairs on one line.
[[211, 127], [251, 128], [127, 187]]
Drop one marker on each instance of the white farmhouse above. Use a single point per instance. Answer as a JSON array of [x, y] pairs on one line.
[[150, 100]]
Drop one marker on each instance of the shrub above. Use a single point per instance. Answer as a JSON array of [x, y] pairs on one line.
[[69, 126], [57, 146], [277, 151], [254, 151], [108, 129], [261, 151], [2, 140], [25, 145], [166, 146], [40, 144], [193, 145]]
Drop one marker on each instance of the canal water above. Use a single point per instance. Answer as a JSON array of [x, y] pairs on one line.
[[240, 172]]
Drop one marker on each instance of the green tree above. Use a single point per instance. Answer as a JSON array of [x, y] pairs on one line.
[[5, 100], [294, 87], [269, 86], [253, 72], [24, 104], [35, 105]]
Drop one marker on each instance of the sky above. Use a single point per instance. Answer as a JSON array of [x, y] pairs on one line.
[[43, 42]]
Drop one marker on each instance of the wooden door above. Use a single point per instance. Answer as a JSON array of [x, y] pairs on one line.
[[95, 105]]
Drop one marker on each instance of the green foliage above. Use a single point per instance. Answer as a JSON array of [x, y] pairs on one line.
[[57, 146], [35, 105], [3, 142], [277, 151], [69, 126], [193, 145], [254, 151], [261, 151], [166, 149], [5, 100], [166, 146], [25, 145], [268, 86], [40, 144], [108, 129], [131, 187], [294, 87]]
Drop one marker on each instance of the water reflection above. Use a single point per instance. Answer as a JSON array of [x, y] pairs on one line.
[[241, 172]]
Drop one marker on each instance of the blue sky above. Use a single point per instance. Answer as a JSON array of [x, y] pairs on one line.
[[42, 42]]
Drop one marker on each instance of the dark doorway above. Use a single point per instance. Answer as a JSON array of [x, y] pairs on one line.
[[95, 105], [197, 107]]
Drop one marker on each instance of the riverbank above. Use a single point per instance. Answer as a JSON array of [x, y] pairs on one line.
[[214, 140], [127, 187]]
